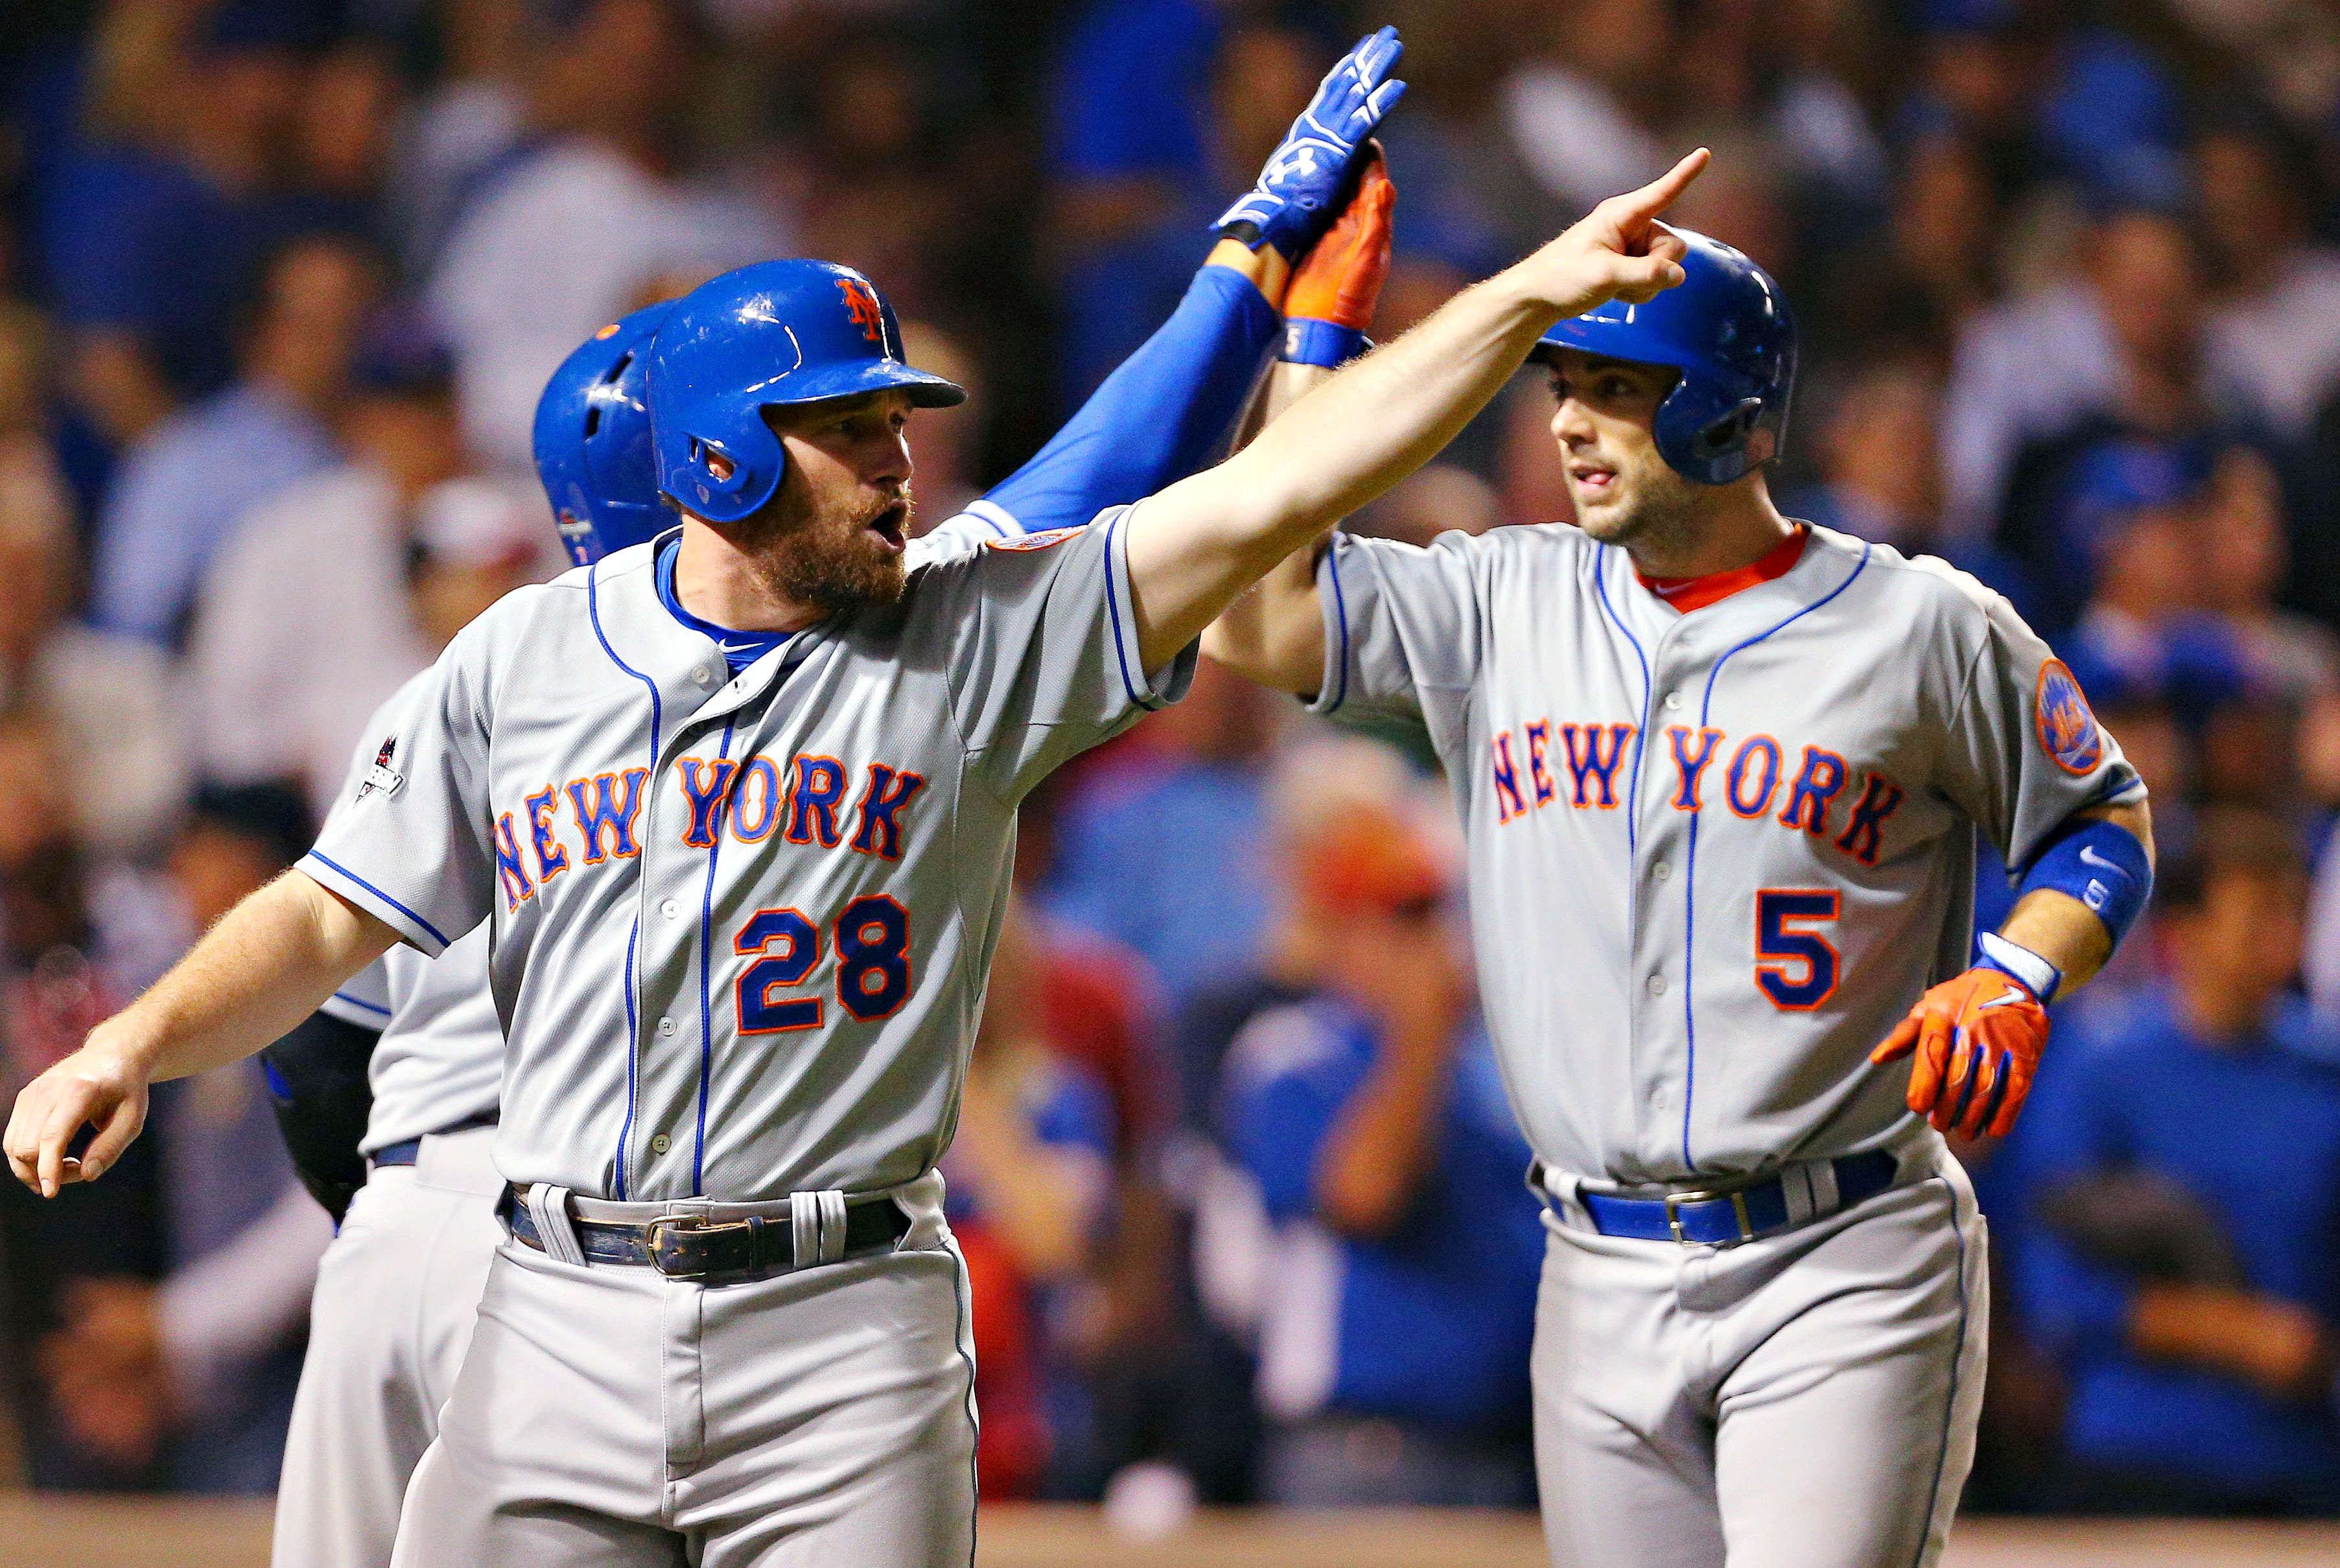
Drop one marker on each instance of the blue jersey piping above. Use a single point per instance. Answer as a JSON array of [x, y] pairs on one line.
[[706, 1005], [658, 723], [1690, 872], [323, 859]]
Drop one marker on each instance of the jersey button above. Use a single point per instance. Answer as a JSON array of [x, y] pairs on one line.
[[702, 674], [1662, 871], [671, 909], [667, 1028], [1673, 700], [660, 1144], [1657, 985]]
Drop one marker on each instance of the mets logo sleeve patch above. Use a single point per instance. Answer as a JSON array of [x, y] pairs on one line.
[[2067, 728]]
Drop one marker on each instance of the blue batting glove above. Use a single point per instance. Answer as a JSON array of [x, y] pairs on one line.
[[1299, 191]]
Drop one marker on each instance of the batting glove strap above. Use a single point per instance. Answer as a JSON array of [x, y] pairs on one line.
[[1310, 341], [2021, 965], [1299, 190]]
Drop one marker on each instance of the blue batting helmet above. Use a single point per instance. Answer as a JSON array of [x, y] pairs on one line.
[[767, 335], [1726, 327], [593, 441]]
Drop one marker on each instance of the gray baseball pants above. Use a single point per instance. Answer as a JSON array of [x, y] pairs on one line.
[[1807, 1400], [397, 1294], [609, 1417]]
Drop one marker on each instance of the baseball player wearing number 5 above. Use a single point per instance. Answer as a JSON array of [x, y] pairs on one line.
[[1721, 774]]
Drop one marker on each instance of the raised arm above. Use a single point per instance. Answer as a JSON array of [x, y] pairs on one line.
[[1199, 544], [265, 967]]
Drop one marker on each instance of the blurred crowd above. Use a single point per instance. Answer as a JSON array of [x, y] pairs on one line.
[[1235, 1178]]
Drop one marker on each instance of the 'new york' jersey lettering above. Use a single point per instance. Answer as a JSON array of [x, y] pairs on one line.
[[741, 923], [1714, 856]]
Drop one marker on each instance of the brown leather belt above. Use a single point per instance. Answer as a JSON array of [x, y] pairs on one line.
[[692, 1246]]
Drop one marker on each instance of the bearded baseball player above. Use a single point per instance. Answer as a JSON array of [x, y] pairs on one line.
[[390, 1094], [1721, 774], [741, 917]]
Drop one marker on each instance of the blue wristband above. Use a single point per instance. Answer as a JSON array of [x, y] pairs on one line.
[[2102, 866], [1310, 341]]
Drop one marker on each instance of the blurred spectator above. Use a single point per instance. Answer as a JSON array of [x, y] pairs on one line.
[[578, 222], [1912, 289], [2291, 657], [2118, 346], [2189, 1284], [153, 225], [1194, 780], [64, 966], [1578, 106], [457, 127], [391, 552], [1873, 438], [1030, 1176], [211, 1354], [182, 490], [2274, 327], [111, 698], [1394, 1335]]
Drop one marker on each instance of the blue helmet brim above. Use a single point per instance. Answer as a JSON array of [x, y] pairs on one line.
[[1612, 340], [857, 377]]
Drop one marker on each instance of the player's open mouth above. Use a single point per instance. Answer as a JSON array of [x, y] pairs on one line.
[[889, 524], [1592, 476]]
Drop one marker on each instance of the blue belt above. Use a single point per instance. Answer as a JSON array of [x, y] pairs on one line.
[[406, 1152], [1723, 1218]]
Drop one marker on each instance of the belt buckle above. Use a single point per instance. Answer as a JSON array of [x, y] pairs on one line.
[[654, 1237], [695, 1225], [1738, 1196]]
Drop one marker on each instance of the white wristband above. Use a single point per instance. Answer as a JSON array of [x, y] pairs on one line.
[[2037, 976]]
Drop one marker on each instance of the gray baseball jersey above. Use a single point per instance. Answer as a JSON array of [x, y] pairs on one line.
[[1715, 856], [740, 924], [440, 1061]]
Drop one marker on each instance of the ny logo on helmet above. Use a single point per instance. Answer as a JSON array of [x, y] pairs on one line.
[[861, 304]]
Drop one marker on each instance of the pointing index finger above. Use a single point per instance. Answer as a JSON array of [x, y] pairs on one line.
[[1662, 193]]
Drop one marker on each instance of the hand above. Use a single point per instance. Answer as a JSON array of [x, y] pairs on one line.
[[1340, 280], [1617, 250], [102, 1084], [1977, 1039], [1295, 199]]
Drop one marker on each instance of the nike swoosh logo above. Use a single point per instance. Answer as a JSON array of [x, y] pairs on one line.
[[2090, 858], [2004, 999]]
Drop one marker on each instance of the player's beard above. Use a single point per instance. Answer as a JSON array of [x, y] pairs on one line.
[[820, 551]]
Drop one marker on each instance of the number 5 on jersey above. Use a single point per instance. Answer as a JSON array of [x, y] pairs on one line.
[[873, 965], [1795, 967]]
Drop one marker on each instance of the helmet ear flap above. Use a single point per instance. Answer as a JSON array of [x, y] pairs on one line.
[[1730, 433]]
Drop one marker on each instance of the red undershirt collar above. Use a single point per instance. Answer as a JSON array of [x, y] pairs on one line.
[[1689, 593]]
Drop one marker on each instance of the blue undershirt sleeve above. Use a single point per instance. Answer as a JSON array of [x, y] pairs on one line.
[[1160, 417]]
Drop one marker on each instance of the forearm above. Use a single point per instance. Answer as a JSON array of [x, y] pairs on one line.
[[2062, 929], [1165, 412], [263, 968], [1383, 1141]]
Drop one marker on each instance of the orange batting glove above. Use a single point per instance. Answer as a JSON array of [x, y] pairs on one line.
[[1977, 1040], [1339, 279]]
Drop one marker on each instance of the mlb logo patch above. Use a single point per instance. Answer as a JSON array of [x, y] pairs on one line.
[[2068, 728], [382, 776]]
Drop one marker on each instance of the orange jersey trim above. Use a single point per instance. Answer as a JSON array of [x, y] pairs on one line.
[[1689, 593]]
